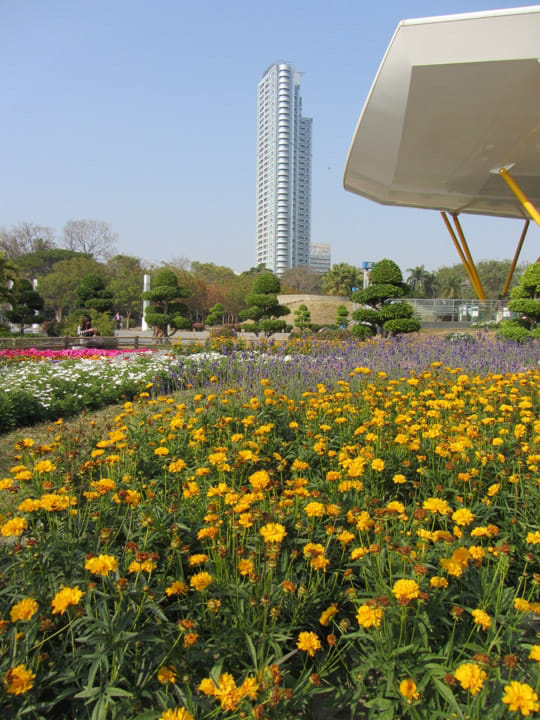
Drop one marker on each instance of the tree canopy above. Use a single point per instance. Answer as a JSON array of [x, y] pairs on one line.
[[382, 312], [165, 312], [264, 308], [341, 279]]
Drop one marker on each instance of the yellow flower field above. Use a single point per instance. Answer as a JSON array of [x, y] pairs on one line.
[[369, 548]]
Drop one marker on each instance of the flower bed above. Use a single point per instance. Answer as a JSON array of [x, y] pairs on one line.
[[311, 538]]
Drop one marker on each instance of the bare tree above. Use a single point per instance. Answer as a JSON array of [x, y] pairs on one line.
[[25, 238], [92, 237]]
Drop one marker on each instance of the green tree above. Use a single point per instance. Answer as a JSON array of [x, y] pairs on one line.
[[59, 288], [9, 275], [384, 313], [421, 281], [215, 315], [453, 281], [93, 294], [126, 284], [341, 279], [525, 299], [165, 312], [26, 304], [302, 317], [41, 262], [264, 307]]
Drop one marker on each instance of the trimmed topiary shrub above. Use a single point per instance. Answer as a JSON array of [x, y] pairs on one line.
[[381, 313]]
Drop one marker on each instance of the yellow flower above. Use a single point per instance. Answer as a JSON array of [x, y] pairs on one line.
[[406, 590], [463, 517], [481, 618], [273, 532], [176, 714], [176, 588], [328, 614], [436, 505], [259, 480], [438, 582], [520, 696], [101, 565], [313, 549], [245, 567], [64, 598], [535, 653], [399, 479], [198, 559], [24, 610], [18, 680], [308, 642], [44, 466], [522, 605], [14, 527], [533, 538], [201, 581], [166, 675], [54, 502], [29, 505], [407, 688], [345, 537], [314, 509], [471, 677], [177, 466], [319, 562], [145, 566], [368, 616], [161, 451]]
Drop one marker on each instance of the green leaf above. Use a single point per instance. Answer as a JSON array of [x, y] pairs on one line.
[[252, 652], [117, 692], [90, 692], [448, 695]]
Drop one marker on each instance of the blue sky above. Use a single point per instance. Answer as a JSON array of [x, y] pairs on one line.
[[142, 113]]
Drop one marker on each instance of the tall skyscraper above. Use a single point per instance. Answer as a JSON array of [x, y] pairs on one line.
[[283, 171]]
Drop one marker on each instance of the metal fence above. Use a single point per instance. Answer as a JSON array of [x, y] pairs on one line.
[[462, 311], [67, 342]]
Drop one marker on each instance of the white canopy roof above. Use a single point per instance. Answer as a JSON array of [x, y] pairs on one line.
[[455, 98]]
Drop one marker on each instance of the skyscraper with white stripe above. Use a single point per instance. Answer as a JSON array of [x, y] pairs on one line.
[[283, 171]]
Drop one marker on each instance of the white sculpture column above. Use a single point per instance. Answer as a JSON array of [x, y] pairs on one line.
[[146, 288]]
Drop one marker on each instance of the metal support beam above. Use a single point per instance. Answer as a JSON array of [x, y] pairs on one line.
[[468, 265], [478, 286], [518, 192], [516, 257]]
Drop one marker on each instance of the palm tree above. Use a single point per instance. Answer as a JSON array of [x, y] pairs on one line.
[[341, 279], [451, 286], [419, 278]]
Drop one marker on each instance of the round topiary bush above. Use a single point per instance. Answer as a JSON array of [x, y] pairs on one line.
[[385, 271]]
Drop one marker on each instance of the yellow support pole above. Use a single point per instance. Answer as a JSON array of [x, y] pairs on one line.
[[518, 192], [460, 251], [516, 257], [478, 286]]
